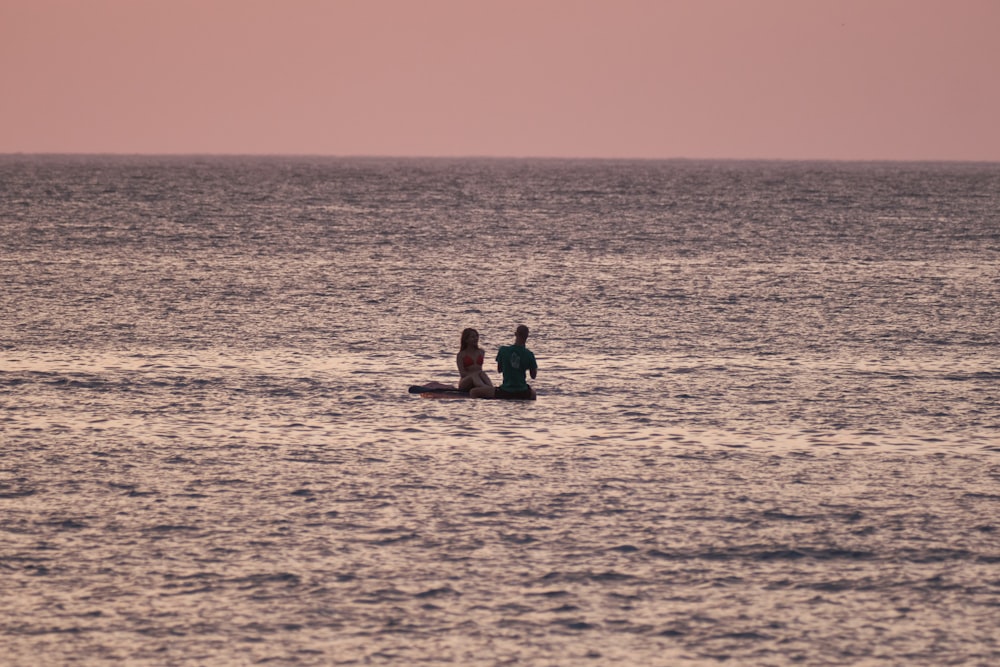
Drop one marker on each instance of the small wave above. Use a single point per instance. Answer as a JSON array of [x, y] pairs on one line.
[[762, 554], [443, 591], [259, 579]]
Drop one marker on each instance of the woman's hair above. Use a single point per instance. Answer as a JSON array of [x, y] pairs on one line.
[[465, 336]]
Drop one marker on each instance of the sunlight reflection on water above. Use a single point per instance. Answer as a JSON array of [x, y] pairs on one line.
[[766, 432]]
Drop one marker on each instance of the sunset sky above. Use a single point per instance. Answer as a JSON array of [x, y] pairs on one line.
[[797, 79]]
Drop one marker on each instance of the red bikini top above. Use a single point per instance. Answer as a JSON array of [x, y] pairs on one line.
[[467, 360]]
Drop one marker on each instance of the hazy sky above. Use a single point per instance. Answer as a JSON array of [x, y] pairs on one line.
[[849, 79]]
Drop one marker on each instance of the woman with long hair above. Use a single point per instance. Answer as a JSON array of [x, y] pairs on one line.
[[470, 362]]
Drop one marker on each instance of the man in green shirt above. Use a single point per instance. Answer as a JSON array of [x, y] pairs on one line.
[[514, 361]]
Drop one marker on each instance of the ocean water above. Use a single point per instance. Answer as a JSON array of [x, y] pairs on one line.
[[767, 431]]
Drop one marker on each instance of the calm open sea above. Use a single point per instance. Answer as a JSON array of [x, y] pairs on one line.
[[767, 431]]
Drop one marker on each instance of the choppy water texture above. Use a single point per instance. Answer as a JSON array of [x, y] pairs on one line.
[[767, 430]]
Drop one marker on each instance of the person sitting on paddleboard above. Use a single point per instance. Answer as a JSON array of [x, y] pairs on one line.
[[470, 363], [514, 361]]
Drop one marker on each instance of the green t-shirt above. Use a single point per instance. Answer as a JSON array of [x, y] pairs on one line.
[[515, 361]]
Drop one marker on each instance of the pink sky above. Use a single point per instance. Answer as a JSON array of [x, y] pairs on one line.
[[798, 79]]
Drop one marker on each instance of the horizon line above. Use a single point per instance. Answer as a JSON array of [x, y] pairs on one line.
[[540, 158]]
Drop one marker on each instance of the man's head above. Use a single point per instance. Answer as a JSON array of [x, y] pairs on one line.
[[521, 333]]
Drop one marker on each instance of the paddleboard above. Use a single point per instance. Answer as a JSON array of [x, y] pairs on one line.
[[439, 390], [435, 390]]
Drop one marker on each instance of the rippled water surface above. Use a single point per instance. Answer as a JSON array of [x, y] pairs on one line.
[[767, 430]]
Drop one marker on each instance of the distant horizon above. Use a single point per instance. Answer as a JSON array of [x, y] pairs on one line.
[[539, 158]]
